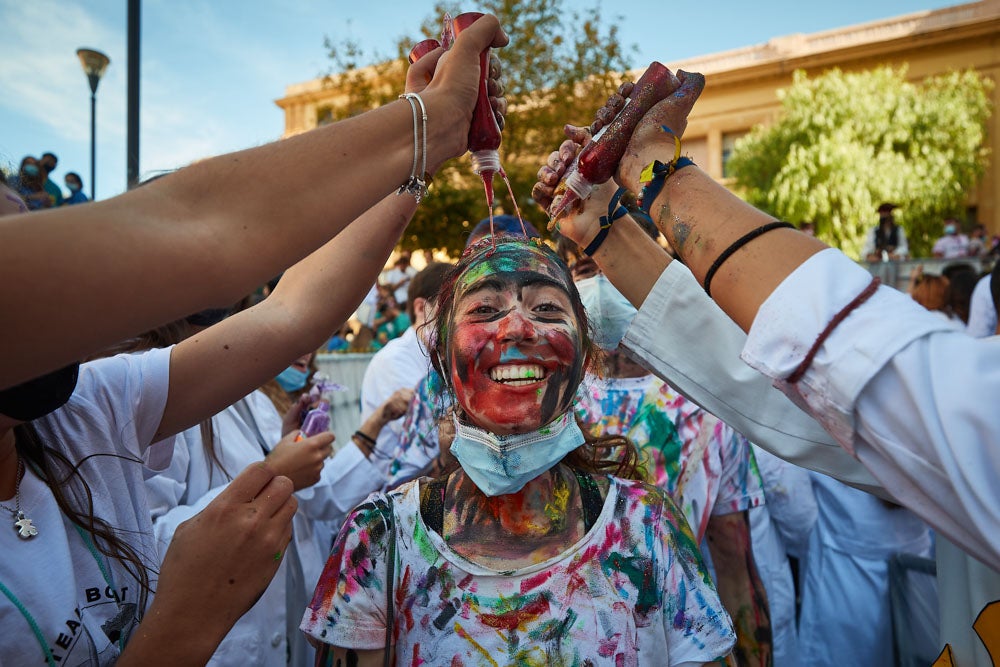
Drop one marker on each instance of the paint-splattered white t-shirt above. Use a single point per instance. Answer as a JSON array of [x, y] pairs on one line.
[[665, 428], [632, 591]]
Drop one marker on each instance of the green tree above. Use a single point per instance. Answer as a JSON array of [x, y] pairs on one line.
[[846, 142], [560, 66]]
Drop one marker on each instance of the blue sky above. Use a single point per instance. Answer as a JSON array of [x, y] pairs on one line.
[[212, 70]]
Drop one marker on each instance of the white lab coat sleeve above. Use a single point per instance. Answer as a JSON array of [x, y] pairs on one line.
[[683, 337], [982, 312], [894, 383], [347, 479], [167, 492]]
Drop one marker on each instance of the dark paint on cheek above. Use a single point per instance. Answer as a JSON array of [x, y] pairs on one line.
[[562, 385], [352, 658]]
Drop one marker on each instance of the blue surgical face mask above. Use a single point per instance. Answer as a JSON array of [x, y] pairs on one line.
[[609, 312], [31, 170], [73, 187], [949, 229], [292, 379], [503, 464]]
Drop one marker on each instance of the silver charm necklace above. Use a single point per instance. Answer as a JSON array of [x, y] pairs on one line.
[[22, 524]]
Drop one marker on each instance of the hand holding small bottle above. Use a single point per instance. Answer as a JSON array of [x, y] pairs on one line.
[[453, 89], [582, 222]]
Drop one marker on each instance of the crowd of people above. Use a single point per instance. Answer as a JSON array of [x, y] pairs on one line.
[[744, 451], [34, 185]]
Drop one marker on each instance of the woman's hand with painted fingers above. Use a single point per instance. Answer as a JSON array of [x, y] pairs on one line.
[[454, 87], [302, 461], [222, 559], [611, 108], [649, 142], [581, 224]]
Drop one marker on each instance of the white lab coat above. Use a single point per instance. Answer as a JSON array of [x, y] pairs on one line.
[[193, 480], [682, 336], [846, 617]]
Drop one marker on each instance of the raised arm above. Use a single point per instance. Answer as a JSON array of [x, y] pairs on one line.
[[81, 277], [312, 299], [683, 337], [873, 367]]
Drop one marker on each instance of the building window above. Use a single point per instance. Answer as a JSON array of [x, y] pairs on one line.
[[324, 116], [728, 144]]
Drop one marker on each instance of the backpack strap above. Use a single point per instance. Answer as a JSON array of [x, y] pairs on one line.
[[590, 494], [390, 578], [432, 504]]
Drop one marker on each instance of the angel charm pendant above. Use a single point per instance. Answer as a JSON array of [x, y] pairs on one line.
[[24, 527]]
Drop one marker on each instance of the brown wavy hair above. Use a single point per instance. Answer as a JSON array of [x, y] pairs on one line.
[[615, 455]]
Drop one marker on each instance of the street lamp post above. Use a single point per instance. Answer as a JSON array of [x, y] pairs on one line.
[[94, 63]]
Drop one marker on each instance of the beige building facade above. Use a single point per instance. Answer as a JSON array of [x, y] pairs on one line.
[[742, 84]]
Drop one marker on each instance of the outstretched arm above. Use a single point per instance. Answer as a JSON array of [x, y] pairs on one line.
[[81, 277], [740, 588], [312, 300], [682, 336]]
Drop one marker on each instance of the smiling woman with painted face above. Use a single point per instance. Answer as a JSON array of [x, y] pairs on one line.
[[530, 553]]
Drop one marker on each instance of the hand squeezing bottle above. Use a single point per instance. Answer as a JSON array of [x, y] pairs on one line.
[[598, 160], [317, 417], [485, 133]]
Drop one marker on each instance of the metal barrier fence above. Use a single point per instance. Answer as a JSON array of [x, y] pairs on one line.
[[897, 273]]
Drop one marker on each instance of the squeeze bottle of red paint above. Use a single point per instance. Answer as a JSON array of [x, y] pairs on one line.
[[484, 133], [598, 160]]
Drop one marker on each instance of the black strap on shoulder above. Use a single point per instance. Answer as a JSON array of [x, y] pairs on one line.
[[390, 578], [432, 504], [591, 497]]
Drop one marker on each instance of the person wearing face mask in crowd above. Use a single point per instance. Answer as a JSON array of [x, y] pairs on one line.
[[71, 453], [48, 164], [888, 402], [705, 466], [75, 186], [529, 549], [953, 244], [29, 184]]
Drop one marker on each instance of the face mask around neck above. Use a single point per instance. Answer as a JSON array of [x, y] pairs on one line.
[[502, 464]]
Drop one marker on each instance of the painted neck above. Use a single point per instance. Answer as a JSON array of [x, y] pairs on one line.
[[539, 508]]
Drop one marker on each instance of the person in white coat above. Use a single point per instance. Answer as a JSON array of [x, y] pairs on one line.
[[846, 615], [685, 338], [780, 528], [247, 432]]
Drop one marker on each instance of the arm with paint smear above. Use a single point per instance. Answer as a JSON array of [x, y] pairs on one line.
[[740, 587]]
